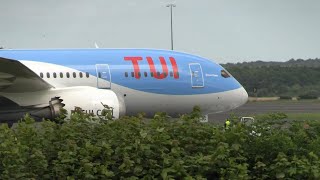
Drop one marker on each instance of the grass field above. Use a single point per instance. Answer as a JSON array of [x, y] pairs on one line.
[[295, 109], [270, 99], [304, 116], [285, 101]]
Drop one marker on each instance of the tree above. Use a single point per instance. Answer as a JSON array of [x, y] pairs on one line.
[[292, 78]]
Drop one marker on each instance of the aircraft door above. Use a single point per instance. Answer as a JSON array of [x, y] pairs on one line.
[[196, 75], [103, 76]]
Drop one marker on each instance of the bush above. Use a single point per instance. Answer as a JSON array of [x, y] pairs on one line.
[[308, 96], [285, 97], [132, 147]]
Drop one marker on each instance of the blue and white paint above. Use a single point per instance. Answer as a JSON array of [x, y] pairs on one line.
[[199, 81]]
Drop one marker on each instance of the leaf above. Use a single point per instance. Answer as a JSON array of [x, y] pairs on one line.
[[280, 175], [138, 169], [160, 129], [143, 134], [236, 146]]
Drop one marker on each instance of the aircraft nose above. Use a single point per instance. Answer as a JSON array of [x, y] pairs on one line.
[[242, 96], [232, 100]]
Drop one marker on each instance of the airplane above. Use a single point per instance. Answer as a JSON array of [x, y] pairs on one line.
[[41, 82]]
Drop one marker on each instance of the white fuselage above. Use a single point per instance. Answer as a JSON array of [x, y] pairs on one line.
[[138, 101]]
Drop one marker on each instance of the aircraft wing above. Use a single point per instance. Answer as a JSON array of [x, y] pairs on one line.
[[17, 78]]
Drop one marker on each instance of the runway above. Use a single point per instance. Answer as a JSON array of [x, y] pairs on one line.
[[254, 108]]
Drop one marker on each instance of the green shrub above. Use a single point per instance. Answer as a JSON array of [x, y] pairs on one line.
[[286, 97], [308, 96], [85, 147]]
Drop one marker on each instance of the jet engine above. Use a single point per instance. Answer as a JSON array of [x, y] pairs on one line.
[[47, 104]]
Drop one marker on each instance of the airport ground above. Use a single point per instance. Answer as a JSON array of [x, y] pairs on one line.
[[307, 109]]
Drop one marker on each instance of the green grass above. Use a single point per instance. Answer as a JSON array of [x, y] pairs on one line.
[[314, 101], [304, 116]]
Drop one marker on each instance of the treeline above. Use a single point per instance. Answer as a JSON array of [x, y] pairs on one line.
[[294, 78], [291, 63], [162, 148]]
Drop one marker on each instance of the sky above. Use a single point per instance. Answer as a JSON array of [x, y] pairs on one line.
[[221, 30]]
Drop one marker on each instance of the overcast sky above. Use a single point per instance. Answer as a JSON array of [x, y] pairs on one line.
[[222, 30]]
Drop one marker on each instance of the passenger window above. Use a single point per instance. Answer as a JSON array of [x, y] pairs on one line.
[[225, 74], [68, 75], [139, 74], [151, 74], [80, 75], [145, 74], [177, 73], [132, 74], [74, 75], [61, 75], [171, 73], [158, 74], [126, 74], [165, 74], [48, 75], [55, 75], [87, 74], [41, 75]]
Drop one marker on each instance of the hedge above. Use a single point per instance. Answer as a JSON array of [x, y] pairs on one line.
[[162, 148]]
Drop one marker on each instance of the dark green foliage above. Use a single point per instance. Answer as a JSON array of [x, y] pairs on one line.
[[132, 147], [309, 95], [286, 97], [291, 63], [292, 78]]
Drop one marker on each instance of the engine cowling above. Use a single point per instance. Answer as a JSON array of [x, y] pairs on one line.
[[90, 100], [47, 104]]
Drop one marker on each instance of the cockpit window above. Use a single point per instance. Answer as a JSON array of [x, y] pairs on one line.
[[225, 74]]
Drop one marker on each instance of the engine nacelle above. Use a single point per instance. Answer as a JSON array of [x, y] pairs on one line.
[[47, 104], [90, 100]]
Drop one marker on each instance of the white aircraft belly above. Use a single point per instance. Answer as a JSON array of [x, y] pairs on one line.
[[139, 101]]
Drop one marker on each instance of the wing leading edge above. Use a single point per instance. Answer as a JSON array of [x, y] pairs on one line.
[[17, 78]]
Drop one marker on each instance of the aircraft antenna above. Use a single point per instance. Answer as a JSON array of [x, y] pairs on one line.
[[96, 45]]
